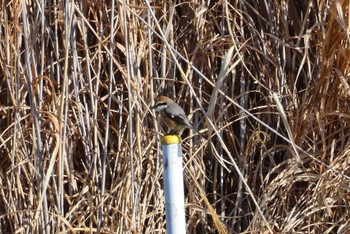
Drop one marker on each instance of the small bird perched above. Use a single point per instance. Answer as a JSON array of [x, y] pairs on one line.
[[172, 115]]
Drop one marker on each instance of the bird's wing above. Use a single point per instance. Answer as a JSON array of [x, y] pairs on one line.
[[177, 114]]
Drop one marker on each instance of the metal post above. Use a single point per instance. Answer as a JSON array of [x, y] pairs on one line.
[[173, 185]]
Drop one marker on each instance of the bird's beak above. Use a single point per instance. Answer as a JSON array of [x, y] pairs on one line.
[[153, 107]]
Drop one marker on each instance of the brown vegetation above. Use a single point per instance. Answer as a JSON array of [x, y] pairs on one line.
[[266, 81]]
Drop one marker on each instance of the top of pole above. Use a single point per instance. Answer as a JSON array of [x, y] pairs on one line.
[[171, 139]]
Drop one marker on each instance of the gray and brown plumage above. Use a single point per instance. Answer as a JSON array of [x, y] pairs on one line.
[[172, 115]]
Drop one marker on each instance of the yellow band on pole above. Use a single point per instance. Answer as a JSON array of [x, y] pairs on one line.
[[171, 139]]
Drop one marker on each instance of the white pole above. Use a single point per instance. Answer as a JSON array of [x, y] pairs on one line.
[[173, 185]]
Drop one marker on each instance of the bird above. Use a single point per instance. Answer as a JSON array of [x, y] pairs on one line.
[[172, 115]]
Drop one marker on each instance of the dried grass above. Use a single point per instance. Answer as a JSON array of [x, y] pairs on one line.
[[266, 82]]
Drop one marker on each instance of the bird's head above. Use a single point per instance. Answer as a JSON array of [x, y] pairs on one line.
[[161, 103]]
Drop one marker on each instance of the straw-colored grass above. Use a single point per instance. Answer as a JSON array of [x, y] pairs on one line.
[[267, 83]]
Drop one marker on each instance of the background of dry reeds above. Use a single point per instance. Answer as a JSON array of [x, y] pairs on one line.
[[79, 146]]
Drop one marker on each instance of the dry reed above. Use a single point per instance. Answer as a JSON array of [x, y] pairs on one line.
[[266, 81]]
